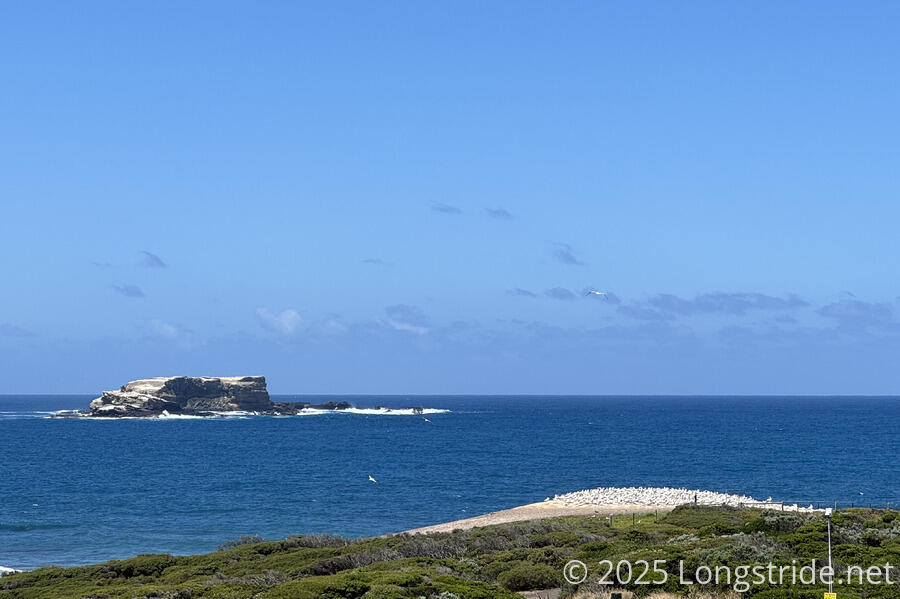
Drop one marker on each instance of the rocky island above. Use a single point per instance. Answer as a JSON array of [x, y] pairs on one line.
[[196, 396]]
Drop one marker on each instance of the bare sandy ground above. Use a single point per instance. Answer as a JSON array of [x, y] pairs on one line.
[[537, 511], [555, 508]]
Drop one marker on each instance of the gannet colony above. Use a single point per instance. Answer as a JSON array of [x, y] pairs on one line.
[[651, 496]]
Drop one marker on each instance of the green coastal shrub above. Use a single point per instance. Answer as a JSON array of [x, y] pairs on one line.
[[142, 565], [787, 593], [316, 541], [718, 529], [242, 540], [488, 563], [526, 577]]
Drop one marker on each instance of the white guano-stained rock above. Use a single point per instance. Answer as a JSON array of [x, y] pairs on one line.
[[183, 394]]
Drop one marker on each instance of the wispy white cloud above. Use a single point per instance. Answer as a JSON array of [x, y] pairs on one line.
[[446, 209], [499, 213], [639, 312], [129, 290], [169, 332], [861, 315], [564, 253], [11, 330], [329, 327], [376, 262], [164, 329], [286, 322], [559, 293], [152, 260], [724, 303], [403, 317], [518, 291]]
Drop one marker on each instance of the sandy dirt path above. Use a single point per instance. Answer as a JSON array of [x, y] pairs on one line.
[[537, 511]]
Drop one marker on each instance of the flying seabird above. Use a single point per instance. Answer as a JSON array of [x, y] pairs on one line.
[[372, 479], [591, 292]]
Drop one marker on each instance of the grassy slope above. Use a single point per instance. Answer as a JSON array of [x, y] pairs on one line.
[[487, 562]]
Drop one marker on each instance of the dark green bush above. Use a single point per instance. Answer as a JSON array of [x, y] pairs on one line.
[[787, 593], [142, 565], [527, 577], [872, 539], [718, 529], [351, 589], [486, 563], [242, 540]]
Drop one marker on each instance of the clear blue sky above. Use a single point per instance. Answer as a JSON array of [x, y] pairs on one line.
[[411, 197]]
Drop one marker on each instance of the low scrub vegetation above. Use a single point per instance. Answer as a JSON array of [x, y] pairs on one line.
[[493, 562]]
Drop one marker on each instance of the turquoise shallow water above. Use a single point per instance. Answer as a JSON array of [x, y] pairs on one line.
[[80, 491]]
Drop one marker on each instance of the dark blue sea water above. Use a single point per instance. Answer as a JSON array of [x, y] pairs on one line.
[[80, 491]]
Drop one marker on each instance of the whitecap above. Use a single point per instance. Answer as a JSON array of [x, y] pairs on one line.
[[313, 412], [374, 411], [234, 414], [394, 411], [166, 416]]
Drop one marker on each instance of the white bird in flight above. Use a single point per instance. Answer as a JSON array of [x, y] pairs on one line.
[[602, 294], [372, 479], [426, 419]]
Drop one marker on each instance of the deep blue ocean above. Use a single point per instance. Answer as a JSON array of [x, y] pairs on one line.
[[76, 491]]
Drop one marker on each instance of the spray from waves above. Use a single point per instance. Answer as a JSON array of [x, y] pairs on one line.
[[166, 416], [5, 570], [22, 415], [377, 411], [397, 412], [242, 415]]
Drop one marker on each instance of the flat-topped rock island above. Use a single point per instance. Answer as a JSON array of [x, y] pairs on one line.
[[194, 396]]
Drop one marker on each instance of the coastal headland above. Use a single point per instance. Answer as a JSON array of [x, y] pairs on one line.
[[559, 553], [609, 501]]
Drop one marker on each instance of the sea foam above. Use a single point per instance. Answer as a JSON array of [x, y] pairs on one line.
[[238, 414]]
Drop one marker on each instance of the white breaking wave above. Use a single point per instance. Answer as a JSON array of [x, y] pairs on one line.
[[5, 570], [241, 415], [374, 411], [21, 415], [311, 412], [394, 412], [166, 416], [234, 414]]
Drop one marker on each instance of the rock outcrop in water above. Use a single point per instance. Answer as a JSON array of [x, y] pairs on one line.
[[195, 396], [184, 394]]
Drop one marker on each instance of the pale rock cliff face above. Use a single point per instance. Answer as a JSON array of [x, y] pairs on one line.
[[184, 395]]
